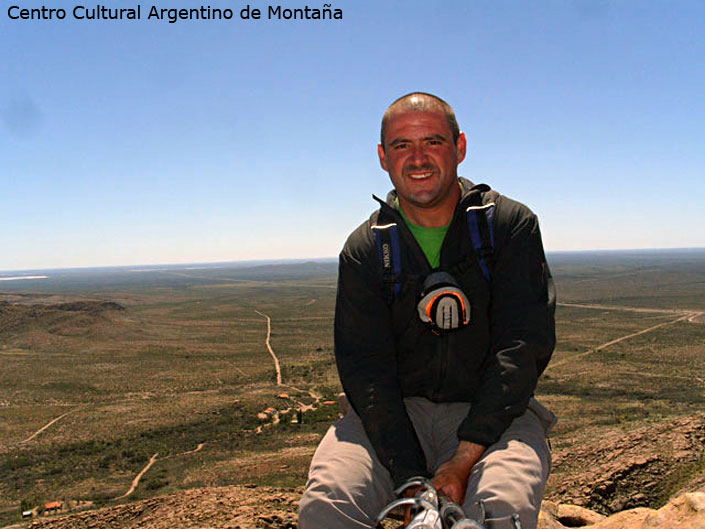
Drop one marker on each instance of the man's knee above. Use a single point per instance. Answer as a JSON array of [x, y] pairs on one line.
[[499, 510], [326, 498], [318, 507], [347, 486], [510, 480], [342, 499]]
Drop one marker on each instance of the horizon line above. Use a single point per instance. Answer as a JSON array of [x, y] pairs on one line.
[[285, 260]]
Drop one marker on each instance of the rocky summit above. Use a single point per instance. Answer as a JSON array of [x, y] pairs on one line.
[[251, 507]]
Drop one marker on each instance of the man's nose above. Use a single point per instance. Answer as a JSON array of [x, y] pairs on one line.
[[418, 154]]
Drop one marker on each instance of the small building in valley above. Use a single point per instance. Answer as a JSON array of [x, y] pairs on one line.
[[53, 507]]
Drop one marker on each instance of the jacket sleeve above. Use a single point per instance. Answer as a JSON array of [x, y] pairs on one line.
[[367, 365], [522, 325]]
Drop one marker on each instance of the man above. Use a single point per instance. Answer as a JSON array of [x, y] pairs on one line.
[[446, 394]]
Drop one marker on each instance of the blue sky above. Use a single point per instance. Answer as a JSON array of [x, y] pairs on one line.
[[144, 142]]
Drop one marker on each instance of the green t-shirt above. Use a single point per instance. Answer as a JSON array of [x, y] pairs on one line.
[[430, 239]]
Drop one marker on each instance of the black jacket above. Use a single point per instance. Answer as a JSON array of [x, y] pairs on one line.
[[385, 353]]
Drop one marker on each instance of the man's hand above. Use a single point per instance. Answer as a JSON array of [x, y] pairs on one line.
[[451, 478]]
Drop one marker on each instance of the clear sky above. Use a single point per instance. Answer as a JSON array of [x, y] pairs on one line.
[[144, 142]]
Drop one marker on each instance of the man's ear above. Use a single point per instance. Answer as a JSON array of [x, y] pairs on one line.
[[461, 146], [382, 157]]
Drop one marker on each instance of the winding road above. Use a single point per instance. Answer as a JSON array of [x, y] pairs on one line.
[[136, 481], [269, 346]]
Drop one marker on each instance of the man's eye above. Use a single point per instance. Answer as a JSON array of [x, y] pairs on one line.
[[400, 146]]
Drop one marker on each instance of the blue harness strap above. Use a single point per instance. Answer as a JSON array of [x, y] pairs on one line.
[[481, 227], [389, 252]]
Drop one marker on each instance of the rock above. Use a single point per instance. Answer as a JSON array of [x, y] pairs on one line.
[[547, 518], [617, 505], [684, 512], [696, 501], [631, 519], [638, 498], [547, 521], [550, 508], [575, 516], [605, 488]]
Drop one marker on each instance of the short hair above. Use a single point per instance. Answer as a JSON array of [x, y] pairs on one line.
[[420, 101]]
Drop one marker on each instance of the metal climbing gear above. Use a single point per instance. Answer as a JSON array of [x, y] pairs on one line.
[[429, 510]]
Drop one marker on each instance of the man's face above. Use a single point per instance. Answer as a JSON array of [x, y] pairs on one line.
[[421, 158]]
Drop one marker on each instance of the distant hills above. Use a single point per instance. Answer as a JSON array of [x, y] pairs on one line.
[[292, 269]]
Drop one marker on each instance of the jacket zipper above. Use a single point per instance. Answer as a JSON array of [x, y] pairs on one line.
[[444, 349], [443, 352]]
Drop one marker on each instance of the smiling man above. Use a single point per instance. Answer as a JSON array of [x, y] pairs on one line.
[[444, 322]]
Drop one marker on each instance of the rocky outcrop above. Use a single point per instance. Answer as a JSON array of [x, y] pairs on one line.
[[555, 516], [640, 468], [684, 512], [243, 507]]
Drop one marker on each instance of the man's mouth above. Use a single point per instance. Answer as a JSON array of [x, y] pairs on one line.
[[420, 176]]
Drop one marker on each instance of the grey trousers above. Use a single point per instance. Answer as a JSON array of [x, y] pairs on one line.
[[348, 486]]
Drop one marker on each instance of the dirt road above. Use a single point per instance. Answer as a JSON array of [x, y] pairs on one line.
[[53, 421], [686, 315], [271, 351], [136, 481], [151, 462], [605, 345], [625, 308]]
